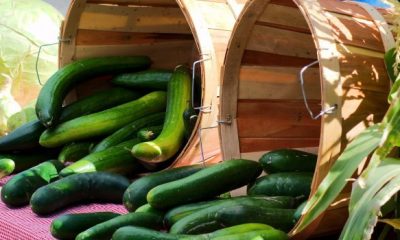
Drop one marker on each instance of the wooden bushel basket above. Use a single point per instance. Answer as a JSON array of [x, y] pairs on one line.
[[170, 32], [262, 106]]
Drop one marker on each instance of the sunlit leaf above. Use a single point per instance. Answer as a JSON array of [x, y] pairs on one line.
[[395, 223], [337, 177]]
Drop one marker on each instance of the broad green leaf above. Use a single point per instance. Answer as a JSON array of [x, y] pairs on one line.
[[363, 217], [341, 170], [395, 223]]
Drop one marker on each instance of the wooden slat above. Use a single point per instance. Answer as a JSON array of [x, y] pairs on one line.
[[270, 59], [344, 8], [277, 83], [136, 2], [284, 42], [217, 15], [284, 17], [287, 3], [95, 37], [277, 118], [134, 19], [267, 144], [219, 38], [163, 55]]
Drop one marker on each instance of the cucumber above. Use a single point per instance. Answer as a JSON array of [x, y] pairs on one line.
[[390, 60], [205, 184], [106, 229], [282, 184], [234, 230], [68, 226], [7, 166], [235, 212], [149, 133], [75, 151], [267, 234], [288, 160], [141, 233], [149, 209], [19, 189], [168, 143], [27, 136], [78, 188], [189, 121], [104, 122], [51, 96], [147, 79], [135, 195], [116, 159], [27, 159], [176, 214], [129, 131]]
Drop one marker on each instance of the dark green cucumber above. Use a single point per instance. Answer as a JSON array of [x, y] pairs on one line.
[[235, 212], [390, 60], [282, 184], [189, 120], [149, 209], [106, 229], [104, 122], [129, 131], [27, 159], [141, 233], [78, 188], [135, 195], [288, 160], [19, 189], [148, 79], [176, 214], [27, 136], [149, 133], [51, 96], [205, 184], [297, 213], [168, 143], [116, 159], [75, 151], [7, 166], [68, 226]]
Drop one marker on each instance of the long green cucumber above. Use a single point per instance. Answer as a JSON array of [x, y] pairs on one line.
[[27, 136], [106, 229], [149, 209], [129, 131], [176, 214], [28, 159], [282, 184], [205, 184], [234, 212], [116, 159], [51, 96], [78, 188], [19, 189], [288, 160], [75, 151], [147, 79], [149, 133], [135, 195], [7, 166], [170, 139], [68, 226], [104, 122]]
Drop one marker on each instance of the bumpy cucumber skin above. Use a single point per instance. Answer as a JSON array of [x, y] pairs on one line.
[[116, 159], [135, 195], [129, 131], [106, 229], [19, 189], [168, 143], [7, 166], [205, 184], [282, 184], [93, 187], [75, 151], [148, 79], [288, 160], [51, 96], [104, 122], [149, 133], [68, 226], [234, 212]]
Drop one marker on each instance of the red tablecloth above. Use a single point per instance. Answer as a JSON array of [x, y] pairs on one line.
[[23, 224]]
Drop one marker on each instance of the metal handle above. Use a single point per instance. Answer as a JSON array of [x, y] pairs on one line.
[[203, 160], [303, 91], [208, 57]]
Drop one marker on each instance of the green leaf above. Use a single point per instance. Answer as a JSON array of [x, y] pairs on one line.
[[341, 170], [395, 223]]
